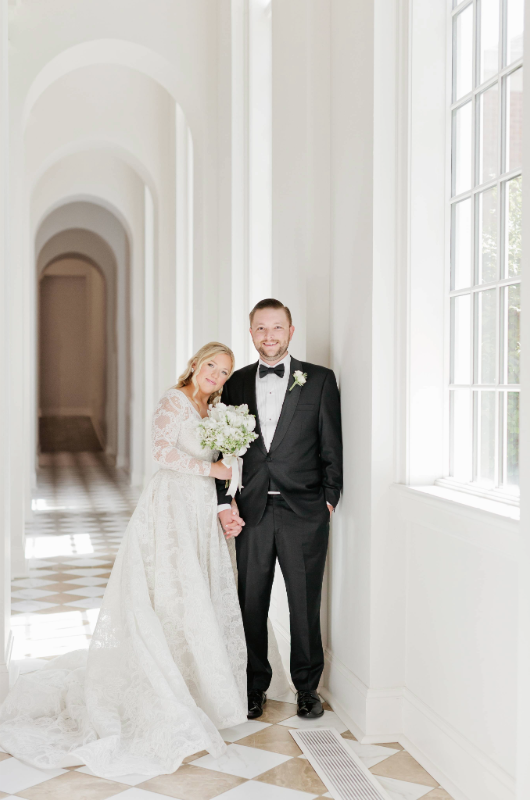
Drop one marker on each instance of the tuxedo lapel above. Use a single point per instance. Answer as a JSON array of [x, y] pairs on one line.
[[289, 406], [250, 399]]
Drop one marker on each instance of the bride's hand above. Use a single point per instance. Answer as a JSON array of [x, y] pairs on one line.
[[219, 471]]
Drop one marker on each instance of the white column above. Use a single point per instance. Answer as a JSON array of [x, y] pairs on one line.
[[251, 162], [523, 733], [184, 241], [149, 329], [5, 567]]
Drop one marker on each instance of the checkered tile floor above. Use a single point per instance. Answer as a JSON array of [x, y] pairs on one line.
[[81, 510]]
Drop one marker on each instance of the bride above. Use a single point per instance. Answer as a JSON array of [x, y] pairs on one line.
[[166, 667]]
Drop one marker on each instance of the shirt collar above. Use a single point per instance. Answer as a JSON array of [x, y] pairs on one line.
[[285, 360]]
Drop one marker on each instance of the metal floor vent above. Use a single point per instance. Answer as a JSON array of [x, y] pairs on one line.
[[337, 766]]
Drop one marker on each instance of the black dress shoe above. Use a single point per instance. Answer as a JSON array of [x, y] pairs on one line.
[[256, 701], [309, 705]]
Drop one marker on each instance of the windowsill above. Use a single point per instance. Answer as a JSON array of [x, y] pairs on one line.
[[496, 507]]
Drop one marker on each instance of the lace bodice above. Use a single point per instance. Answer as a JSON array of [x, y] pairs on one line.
[[174, 436]]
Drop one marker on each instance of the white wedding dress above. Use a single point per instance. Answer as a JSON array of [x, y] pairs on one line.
[[166, 668]]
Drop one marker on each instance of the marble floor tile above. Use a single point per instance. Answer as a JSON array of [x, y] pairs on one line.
[[29, 606], [87, 602], [297, 773], [403, 790], [328, 720], [29, 594], [29, 583], [275, 738], [245, 762], [73, 785], [254, 790], [405, 768], [288, 697], [139, 794], [276, 711], [192, 783], [438, 794], [128, 780], [86, 581], [370, 754], [85, 591], [242, 730], [195, 756], [16, 776]]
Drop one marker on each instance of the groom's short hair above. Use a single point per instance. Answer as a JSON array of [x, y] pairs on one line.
[[270, 302]]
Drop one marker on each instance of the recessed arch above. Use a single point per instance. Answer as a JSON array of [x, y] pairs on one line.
[[114, 51]]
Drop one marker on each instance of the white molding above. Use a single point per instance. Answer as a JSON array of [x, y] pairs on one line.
[[472, 525], [442, 751]]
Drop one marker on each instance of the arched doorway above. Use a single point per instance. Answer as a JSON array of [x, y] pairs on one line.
[[72, 357]]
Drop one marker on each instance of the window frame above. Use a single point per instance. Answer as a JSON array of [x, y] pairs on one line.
[[500, 78]]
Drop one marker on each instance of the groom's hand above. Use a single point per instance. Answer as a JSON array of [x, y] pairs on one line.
[[231, 522]]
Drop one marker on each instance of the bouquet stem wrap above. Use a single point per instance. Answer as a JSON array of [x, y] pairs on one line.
[[236, 482]]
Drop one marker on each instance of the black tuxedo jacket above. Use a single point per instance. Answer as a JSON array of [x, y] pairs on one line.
[[305, 456]]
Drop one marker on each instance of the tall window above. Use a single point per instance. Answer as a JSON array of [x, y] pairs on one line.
[[486, 193]]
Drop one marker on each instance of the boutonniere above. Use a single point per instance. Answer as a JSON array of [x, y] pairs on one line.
[[299, 379]]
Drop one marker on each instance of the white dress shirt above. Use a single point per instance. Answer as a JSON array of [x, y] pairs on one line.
[[270, 394]]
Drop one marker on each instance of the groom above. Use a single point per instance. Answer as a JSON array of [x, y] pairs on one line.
[[292, 479]]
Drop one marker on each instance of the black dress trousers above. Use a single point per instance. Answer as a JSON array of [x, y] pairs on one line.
[[300, 545]]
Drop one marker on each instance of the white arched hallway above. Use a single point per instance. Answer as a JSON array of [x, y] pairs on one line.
[[202, 155]]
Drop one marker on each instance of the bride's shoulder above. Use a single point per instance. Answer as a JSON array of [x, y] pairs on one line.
[[173, 399]]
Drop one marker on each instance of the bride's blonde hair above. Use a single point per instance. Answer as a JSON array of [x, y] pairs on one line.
[[195, 363]]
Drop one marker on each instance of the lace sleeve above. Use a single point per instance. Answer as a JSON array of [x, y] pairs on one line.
[[167, 421]]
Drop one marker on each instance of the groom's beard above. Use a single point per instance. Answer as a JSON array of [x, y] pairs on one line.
[[275, 356]]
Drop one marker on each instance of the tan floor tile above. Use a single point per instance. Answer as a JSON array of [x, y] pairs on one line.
[[294, 774], [405, 768], [275, 711], [73, 785], [276, 739], [54, 588], [3, 756], [437, 794], [195, 756], [326, 706], [192, 783], [61, 599], [348, 735], [392, 746]]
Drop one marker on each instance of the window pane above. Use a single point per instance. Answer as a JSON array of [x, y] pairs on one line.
[[463, 53], [514, 120], [461, 338], [461, 156], [512, 331], [486, 326], [489, 39], [461, 257], [461, 424], [486, 438], [514, 37], [511, 477], [513, 208], [488, 114], [487, 235]]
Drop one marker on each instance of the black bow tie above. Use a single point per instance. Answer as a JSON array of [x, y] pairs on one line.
[[278, 370]]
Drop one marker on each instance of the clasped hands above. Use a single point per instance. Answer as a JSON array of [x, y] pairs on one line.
[[231, 522]]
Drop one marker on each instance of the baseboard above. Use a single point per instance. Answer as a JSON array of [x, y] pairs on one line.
[[375, 713], [98, 430], [464, 770]]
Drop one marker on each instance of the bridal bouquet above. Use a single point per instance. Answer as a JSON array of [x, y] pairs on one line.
[[229, 429]]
